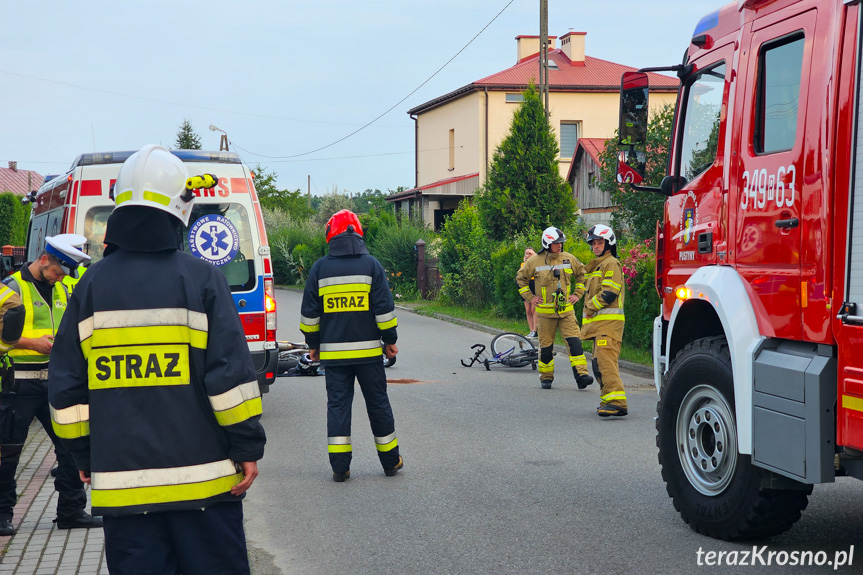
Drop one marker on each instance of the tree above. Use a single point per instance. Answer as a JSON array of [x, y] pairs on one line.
[[524, 189], [187, 138], [271, 197], [639, 211], [371, 200]]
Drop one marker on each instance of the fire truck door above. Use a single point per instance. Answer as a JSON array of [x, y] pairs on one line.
[[849, 334], [772, 141]]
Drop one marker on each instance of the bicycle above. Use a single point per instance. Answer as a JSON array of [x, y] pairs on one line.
[[294, 360], [508, 349]]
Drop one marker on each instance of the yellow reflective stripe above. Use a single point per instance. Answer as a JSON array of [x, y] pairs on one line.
[[237, 404], [611, 284], [577, 360], [522, 290], [579, 286], [388, 324], [551, 311], [851, 402], [149, 335], [5, 294], [339, 448], [613, 395], [86, 346], [148, 195], [163, 493], [71, 430], [342, 280], [596, 302], [567, 270], [309, 328], [387, 446], [608, 317], [592, 275], [246, 410], [344, 288], [351, 354], [545, 367]]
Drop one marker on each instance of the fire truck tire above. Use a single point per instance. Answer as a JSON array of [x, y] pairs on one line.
[[716, 490]]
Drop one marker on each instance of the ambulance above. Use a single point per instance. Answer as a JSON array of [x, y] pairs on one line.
[[226, 229]]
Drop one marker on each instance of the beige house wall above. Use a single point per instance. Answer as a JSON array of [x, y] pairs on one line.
[[597, 113]]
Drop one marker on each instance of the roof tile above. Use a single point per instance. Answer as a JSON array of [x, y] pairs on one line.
[[20, 182]]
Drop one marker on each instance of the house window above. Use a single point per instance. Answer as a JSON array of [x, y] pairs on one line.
[[569, 134], [514, 98], [451, 150], [591, 180]]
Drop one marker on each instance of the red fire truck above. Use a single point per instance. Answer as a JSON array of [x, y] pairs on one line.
[[758, 351]]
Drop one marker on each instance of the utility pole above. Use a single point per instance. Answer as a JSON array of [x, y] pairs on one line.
[[309, 188], [543, 54]]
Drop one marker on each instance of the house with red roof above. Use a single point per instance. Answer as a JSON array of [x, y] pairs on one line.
[[19, 182], [594, 204], [457, 133]]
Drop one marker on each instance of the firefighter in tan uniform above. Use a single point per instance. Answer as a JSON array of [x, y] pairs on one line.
[[559, 283], [603, 319]]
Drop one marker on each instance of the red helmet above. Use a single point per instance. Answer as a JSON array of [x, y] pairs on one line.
[[341, 222]]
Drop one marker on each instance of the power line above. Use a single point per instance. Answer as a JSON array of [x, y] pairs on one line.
[[172, 103], [394, 105]]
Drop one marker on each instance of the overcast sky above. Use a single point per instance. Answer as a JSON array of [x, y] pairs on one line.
[[281, 77]]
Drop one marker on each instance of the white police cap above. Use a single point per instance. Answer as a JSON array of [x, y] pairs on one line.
[[63, 248]]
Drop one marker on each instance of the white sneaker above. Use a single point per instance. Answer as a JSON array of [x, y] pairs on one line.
[[531, 334]]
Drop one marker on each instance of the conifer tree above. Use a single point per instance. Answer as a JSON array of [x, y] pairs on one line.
[[524, 190], [187, 138]]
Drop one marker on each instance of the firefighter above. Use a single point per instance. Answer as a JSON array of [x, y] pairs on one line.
[[153, 388], [559, 283], [44, 297], [347, 311], [603, 319]]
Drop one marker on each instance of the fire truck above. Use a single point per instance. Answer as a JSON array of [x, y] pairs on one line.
[[758, 350]]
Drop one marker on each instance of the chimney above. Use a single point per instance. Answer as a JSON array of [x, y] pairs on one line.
[[13, 166], [572, 45], [528, 46]]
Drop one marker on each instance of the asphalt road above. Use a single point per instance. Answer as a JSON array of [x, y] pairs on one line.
[[500, 477]]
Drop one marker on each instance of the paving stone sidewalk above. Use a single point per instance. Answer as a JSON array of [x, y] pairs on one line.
[[38, 547]]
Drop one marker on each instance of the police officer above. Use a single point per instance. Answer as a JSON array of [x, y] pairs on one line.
[[559, 283], [77, 241], [153, 388], [12, 315], [347, 310], [603, 319], [39, 284]]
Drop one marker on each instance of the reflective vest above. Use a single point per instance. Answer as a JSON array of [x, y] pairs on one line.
[[603, 303], [40, 318], [71, 282]]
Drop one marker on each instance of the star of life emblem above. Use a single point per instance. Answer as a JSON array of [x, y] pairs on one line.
[[214, 238]]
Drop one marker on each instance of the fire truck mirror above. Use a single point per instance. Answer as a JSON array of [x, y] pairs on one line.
[[633, 109], [631, 166]]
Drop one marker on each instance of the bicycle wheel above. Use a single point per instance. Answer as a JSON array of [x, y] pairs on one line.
[[507, 343]]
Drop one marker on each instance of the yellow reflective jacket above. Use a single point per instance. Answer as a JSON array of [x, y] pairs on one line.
[[551, 271], [603, 305]]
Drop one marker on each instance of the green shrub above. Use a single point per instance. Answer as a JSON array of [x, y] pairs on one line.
[[642, 302], [14, 218], [393, 246], [465, 261]]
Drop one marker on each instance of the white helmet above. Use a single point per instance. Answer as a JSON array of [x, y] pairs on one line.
[[155, 178], [601, 232], [552, 236]]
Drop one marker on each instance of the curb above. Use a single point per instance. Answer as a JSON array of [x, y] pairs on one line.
[[629, 367]]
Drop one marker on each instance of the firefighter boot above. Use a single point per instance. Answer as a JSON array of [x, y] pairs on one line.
[[546, 383], [581, 380], [340, 476], [394, 470]]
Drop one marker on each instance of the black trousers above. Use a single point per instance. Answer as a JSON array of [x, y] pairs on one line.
[[340, 398], [196, 542], [32, 401]]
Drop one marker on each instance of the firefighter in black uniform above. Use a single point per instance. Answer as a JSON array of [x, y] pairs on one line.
[[153, 388], [347, 311]]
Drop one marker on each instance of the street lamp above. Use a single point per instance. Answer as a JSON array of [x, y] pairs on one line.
[[223, 143]]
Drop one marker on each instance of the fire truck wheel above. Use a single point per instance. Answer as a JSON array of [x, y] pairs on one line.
[[715, 489]]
